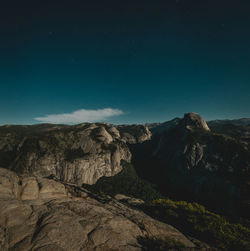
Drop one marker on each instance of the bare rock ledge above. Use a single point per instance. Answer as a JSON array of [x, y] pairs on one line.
[[43, 214]]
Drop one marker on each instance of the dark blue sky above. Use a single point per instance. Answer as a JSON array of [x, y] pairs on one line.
[[153, 60]]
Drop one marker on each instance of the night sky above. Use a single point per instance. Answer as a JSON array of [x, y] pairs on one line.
[[123, 61]]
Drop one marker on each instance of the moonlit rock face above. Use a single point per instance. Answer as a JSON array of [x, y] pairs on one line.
[[194, 120], [44, 214], [76, 154], [103, 135]]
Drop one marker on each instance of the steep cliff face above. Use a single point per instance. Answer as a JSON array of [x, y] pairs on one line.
[[77, 154], [191, 160], [192, 121]]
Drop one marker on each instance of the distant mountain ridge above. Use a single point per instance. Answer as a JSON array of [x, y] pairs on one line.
[[242, 121], [198, 161], [161, 126]]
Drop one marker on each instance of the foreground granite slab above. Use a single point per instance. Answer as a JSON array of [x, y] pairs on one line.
[[44, 214]]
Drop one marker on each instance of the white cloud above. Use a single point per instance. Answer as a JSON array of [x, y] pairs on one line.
[[80, 116]]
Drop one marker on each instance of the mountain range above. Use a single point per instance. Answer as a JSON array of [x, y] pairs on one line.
[[77, 170]]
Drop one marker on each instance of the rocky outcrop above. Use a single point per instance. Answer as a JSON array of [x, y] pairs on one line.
[[129, 200], [77, 154], [43, 214], [191, 160], [134, 134], [191, 121], [194, 121]]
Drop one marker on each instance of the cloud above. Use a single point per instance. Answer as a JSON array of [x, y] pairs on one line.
[[80, 116]]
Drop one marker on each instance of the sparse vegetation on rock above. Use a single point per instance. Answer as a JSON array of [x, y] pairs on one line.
[[193, 219]]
